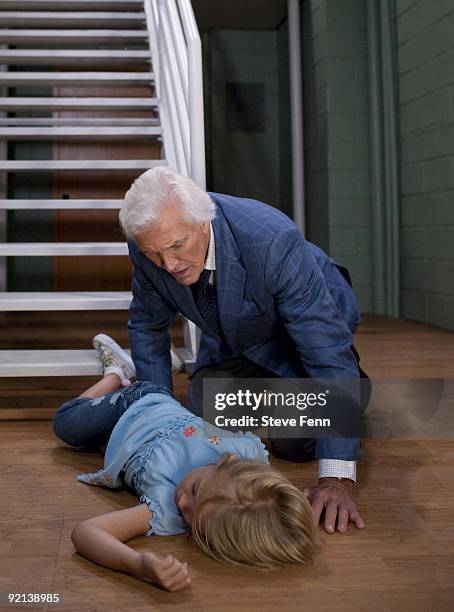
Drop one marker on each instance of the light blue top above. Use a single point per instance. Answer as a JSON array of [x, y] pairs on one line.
[[154, 444]]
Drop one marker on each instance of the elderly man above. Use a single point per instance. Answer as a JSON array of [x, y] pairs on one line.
[[268, 302]]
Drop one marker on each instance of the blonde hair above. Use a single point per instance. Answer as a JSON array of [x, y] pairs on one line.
[[255, 517]]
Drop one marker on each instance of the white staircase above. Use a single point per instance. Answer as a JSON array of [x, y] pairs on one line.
[[83, 43]]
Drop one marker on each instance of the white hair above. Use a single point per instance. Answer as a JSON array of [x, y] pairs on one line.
[[153, 190]]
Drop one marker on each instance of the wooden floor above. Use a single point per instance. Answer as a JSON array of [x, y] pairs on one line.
[[403, 560]]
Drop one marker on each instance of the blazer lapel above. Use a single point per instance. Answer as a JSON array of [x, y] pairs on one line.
[[230, 278]]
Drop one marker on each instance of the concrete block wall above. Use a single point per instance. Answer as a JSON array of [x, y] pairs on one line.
[[285, 128], [425, 30], [337, 135], [244, 163], [315, 124]]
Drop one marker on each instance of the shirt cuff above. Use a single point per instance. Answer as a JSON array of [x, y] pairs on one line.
[[337, 468]]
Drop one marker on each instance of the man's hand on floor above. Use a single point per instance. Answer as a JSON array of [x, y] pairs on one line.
[[335, 497]]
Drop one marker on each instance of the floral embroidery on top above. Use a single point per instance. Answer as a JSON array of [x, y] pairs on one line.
[[214, 440], [189, 430]]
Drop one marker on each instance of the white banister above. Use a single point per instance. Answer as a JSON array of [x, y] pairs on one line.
[[168, 120], [175, 85], [194, 46], [177, 64], [152, 28], [180, 46]]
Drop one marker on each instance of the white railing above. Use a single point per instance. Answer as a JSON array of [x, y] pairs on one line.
[[177, 65]]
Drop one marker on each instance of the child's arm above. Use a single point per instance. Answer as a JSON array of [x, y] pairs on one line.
[[101, 538]]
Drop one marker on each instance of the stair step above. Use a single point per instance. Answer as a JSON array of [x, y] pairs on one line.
[[60, 79], [79, 121], [60, 204], [72, 165], [78, 133], [77, 38], [81, 300], [63, 249], [71, 19], [68, 5], [50, 363], [81, 104], [68, 57], [82, 362]]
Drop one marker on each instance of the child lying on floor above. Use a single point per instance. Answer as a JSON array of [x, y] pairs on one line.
[[188, 475]]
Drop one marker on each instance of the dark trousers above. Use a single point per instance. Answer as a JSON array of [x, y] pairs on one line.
[[292, 449]]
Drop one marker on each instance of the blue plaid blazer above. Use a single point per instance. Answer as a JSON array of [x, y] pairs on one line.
[[282, 303]]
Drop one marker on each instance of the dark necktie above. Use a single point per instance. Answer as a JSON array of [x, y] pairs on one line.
[[205, 298]]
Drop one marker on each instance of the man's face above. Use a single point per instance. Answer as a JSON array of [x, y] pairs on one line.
[[177, 245]]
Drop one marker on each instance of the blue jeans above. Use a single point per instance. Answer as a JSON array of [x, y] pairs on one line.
[[88, 422]]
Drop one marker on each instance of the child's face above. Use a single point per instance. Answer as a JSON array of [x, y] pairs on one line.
[[192, 489]]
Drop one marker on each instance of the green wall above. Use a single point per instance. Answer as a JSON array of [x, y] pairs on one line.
[[285, 135], [425, 31], [244, 163], [336, 123]]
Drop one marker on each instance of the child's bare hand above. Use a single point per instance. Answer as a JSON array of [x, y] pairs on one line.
[[167, 572]]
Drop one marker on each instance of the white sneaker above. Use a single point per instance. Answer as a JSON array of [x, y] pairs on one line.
[[114, 359]]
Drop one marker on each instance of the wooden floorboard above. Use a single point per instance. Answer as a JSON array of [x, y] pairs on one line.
[[403, 560]]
